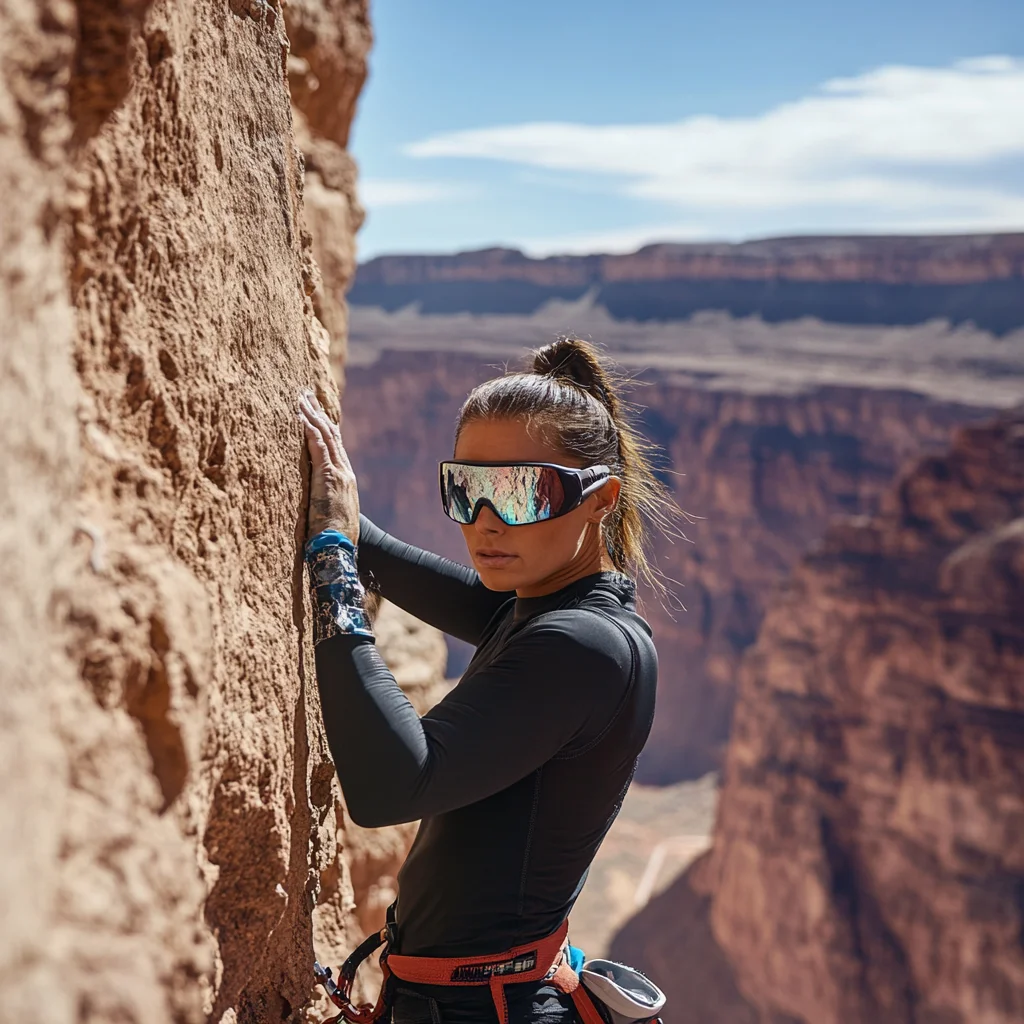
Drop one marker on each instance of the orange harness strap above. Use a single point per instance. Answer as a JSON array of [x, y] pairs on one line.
[[530, 962]]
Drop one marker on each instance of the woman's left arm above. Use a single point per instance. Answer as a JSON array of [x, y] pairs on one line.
[[493, 729]]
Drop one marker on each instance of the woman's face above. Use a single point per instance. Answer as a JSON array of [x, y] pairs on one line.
[[526, 557]]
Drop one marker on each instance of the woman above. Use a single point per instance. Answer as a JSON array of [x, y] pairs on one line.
[[519, 772]]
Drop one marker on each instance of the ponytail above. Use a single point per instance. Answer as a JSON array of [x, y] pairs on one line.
[[576, 399]]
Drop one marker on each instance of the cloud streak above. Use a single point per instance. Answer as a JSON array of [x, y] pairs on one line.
[[913, 143], [379, 192]]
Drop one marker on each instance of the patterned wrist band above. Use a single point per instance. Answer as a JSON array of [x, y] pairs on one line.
[[338, 595]]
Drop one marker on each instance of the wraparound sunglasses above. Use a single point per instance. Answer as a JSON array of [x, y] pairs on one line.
[[518, 493]]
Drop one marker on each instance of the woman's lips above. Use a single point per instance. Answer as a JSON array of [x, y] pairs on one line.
[[494, 559]]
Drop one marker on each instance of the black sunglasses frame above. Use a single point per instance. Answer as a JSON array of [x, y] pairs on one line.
[[577, 485]]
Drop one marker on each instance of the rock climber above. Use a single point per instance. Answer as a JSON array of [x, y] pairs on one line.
[[518, 773]]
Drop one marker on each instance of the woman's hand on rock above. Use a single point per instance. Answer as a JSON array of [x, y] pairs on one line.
[[334, 496]]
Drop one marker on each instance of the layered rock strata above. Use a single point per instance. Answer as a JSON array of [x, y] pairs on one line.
[[169, 810], [868, 858], [861, 280], [764, 471]]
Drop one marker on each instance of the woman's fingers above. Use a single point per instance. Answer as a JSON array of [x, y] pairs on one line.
[[333, 495], [317, 430], [329, 431], [318, 450]]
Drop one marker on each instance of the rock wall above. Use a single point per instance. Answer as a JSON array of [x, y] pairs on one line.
[[169, 810], [326, 70], [764, 471], [868, 858]]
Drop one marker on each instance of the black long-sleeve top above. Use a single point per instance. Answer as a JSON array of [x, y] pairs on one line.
[[519, 771]]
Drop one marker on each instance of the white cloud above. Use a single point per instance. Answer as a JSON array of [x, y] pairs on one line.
[[899, 139], [377, 192], [624, 240]]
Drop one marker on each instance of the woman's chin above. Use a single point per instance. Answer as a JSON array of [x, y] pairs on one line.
[[500, 577]]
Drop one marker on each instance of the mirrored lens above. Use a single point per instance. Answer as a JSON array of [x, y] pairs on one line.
[[519, 494]]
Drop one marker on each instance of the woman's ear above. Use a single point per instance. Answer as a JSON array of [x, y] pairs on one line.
[[607, 497]]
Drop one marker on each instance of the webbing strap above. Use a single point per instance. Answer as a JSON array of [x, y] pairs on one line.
[[585, 1006], [340, 994], [360, 953], [529, 962]]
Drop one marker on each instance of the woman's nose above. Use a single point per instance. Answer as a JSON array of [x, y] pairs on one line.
[[488, 521]]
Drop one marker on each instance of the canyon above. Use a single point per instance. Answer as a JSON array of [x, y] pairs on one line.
[[766, 431], [177, 238], [850, 876], [866, 863], [856, 280]]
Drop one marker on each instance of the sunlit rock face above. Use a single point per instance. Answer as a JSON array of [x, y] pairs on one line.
[[763, 471], [868, 858], [170, 813]]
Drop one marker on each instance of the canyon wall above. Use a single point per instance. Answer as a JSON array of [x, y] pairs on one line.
[[170, 813], [326, 66], [764, 471], [857, 280], [868, 857]]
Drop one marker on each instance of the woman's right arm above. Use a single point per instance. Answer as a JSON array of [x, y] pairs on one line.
[[441, 592]]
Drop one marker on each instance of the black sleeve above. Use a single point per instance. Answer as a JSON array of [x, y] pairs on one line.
[[443, 593], [547, 690]]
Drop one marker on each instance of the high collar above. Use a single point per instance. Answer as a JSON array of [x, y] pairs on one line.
[[617, 586]]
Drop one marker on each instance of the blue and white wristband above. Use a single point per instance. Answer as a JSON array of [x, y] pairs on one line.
[[337, 592]]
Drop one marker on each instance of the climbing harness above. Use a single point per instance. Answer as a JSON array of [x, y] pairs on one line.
[[340, 992], [610, 993]]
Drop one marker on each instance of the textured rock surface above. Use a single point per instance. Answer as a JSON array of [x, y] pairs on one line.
[[168, 807], [867, 861], [765, 472], [884, 280], [326, 69]]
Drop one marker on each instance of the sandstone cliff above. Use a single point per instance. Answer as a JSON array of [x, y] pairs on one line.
[[326, 67], [169, 810], [884, 280], [867, 859], [765, 471]]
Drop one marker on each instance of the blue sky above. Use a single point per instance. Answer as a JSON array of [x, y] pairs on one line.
[[571, 126]]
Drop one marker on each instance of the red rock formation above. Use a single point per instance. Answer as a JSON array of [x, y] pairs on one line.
[[885, 280], [868, 859], [671, 941], [169, 809], [954, 259], [765, 472], [326, 70]]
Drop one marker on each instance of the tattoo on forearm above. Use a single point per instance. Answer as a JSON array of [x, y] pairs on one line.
[[321, 506]]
